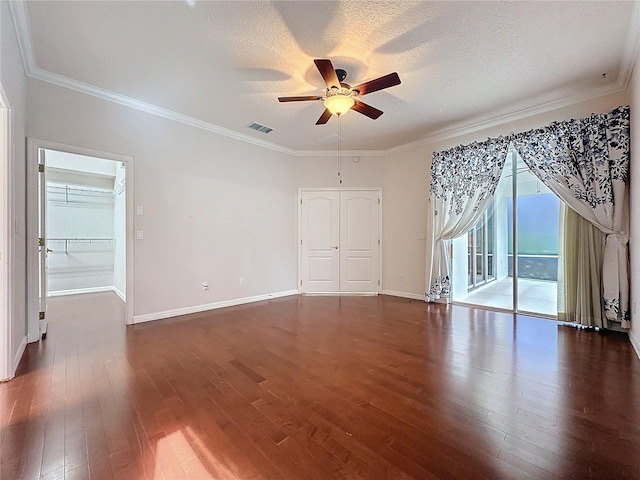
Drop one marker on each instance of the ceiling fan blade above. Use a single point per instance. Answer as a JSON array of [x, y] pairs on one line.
[[299, 99], [378, 84], [324, 118], [325, 67], [367, 110]]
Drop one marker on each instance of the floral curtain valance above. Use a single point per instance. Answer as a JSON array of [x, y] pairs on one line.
[[585, 162], [469, 171]]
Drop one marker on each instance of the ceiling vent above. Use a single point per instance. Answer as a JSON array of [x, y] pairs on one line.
[[259, 128]]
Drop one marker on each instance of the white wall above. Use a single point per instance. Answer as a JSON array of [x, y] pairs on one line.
[[120, 232], [13, 82], [322, 172], [404, 212], [215, 209], [406, 192], [634, 189]]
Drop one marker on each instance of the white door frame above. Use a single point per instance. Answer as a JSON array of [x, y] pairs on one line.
[[6, 239], [33, 145], [338, 189]]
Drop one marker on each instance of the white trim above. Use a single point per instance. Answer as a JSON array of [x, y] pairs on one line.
[[23, 30], [478, 124], [17, 357], [573, 96], [634, 343], [130, 102], [121, 295], [412, 296], [6, 238], [81, 291], [33, 144], [148, 317], [632, 48]]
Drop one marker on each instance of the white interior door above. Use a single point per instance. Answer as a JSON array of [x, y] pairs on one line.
[[42, 248], [339, 241], [320, 236], [359, 241]]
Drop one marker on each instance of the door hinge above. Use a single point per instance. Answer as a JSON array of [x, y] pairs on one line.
[[41, 242], [41, 315], [300, 241], [41, 168], [378, 282], [378, 201], [300, 201], [378, 241], [300, 282]]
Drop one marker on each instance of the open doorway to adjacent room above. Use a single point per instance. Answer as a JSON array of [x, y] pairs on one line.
[[509, 259], [79, 228], [84, 225]]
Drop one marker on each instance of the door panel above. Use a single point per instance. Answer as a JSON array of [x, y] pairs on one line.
[[359, 250], [320, 265]]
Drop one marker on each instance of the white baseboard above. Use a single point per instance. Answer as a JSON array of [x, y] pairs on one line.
[[122, 296], [148, 317], [634, 343], [17, 357], [79, 291], [413, 296]]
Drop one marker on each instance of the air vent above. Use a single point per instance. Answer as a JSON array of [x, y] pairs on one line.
[[259, 128]]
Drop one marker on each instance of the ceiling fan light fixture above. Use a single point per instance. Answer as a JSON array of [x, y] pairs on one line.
[[339, 103]]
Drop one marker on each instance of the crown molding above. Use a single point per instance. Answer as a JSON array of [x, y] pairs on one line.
[[482, 123], [631, 49], [630, 56], [21, 23], [108, 95]]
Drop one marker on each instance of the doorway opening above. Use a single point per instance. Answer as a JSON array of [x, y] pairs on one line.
[[79, 228], [83, 223], [509, 259]]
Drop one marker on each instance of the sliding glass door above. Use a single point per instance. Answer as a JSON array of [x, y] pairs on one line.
[[511, 254]]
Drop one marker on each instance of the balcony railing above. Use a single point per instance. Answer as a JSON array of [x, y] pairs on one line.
[[540, 267]]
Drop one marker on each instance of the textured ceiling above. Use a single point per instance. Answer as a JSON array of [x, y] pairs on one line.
[[225, 63]]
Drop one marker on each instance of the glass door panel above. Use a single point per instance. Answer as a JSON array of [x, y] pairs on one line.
[[480, 256], [538, 216], [509, 259]]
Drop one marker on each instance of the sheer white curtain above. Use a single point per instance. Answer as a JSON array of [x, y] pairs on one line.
[[463, 180], [586, 163]]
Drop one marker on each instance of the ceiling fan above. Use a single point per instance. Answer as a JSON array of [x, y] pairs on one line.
[[341, 97]]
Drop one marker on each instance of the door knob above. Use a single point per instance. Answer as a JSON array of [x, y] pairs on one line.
[[49, 250], [335, 248]]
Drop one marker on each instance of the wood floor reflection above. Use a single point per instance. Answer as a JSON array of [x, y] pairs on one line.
[[320, 388]]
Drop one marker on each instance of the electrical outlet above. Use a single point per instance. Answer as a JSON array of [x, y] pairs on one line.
[[205, 285], [242, 281], [139, 234]]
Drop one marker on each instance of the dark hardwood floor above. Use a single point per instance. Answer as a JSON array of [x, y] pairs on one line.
[[320, 388]]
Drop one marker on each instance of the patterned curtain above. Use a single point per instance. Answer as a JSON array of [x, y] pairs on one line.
[[463, 180], [586, 163]]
